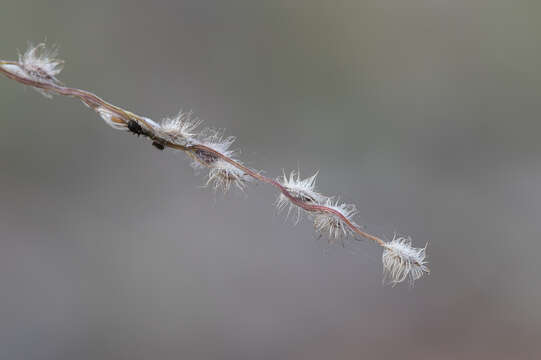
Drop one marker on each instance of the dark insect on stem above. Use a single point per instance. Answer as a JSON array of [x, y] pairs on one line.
[[135, 128], [158, 145]]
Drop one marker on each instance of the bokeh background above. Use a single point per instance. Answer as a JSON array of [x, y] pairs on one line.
[[424, 113]]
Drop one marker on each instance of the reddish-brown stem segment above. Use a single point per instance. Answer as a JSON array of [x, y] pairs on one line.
[[294, 200], [95, 102]]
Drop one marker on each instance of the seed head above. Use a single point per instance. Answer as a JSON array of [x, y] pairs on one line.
[[333, 225], [222, 175], [301, 189], [215, 140], [401, 261], [40, 64], [111, 119], [180, 129]]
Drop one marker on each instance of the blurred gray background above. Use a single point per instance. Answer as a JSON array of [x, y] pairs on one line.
[[423, 113]]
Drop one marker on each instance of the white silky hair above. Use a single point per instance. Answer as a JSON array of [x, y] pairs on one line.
[[300, 189], [333, 225], [41, 64], [180, 129], [222, 175], [402, 261]]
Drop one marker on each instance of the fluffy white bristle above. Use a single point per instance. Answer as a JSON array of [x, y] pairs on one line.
[[111, 118], [180, 129], [401, 261], [333, 225], [222, 175], [41, 64], [301, 189], [214, 140]]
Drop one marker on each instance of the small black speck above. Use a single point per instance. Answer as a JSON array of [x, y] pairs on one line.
[[134, 127], [158, 145]]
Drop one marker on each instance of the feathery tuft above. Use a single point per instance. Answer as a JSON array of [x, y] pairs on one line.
[[180, 129], [401, 261], [214, 140], [41, 64], [111, 118], [222, 175], [302, 190], [332, 224]]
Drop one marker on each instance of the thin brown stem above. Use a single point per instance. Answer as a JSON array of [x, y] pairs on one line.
[[125, 116]]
